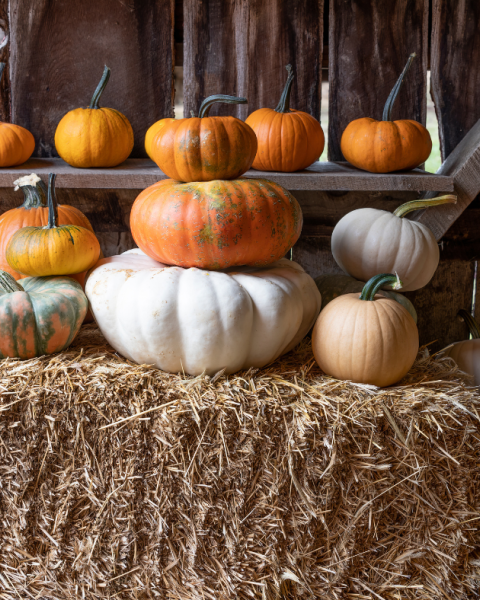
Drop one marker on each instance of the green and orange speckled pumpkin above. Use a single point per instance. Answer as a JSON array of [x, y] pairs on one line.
[[216, 224], [40, 315]]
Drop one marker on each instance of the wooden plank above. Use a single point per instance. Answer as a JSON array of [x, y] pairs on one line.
[[463, 164], [140, 173], [455, 81], [242, 48], [59, 50], [369, 43], [5, 57]]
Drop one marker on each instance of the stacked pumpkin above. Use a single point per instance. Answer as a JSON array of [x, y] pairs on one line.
[[208, 288], [41, 248]]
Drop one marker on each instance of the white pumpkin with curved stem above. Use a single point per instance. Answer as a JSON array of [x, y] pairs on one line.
[[467, 353], [368, 241], [201, 321]]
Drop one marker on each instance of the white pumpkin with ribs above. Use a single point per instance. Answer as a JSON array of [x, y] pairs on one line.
[[201, 321]]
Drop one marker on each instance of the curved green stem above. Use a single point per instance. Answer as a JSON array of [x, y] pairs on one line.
[[34, 191], [100, 87], [52, 202], [208, 102], [408, 207], [387, 111], [376, 282], [8, 284], [470, 322], [284, 104]]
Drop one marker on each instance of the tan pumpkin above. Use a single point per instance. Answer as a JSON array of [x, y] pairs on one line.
[[467, 353], [367, 338], [368, 241]]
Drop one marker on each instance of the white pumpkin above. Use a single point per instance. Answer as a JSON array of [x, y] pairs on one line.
[[467, 353], [368, 241], [199, 321]]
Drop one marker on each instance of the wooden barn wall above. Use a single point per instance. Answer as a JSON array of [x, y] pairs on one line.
[[56, 51]]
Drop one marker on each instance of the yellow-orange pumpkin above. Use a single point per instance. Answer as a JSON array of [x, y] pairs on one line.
[[216, 224], [152, 132], [366, 338], [386, 145], [52, 250], [288, 139], [16, 143], [94, 136], [205, 148]]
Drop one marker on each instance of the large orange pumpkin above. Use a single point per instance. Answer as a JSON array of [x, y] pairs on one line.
[[366, 338], [386, 145], [33, 213], [205, 148], [288, 139], [16, 143], [94, 136], [217, 224]]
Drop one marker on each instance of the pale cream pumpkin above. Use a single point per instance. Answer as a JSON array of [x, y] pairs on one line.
[[367, 338], [368, 241], [467, 353], [197, 321]]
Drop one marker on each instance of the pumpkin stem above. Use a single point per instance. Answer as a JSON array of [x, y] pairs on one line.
[[52, 202], [376, 282], [207, 103], [100, 87], [284, 104], [404, 209], [387, 111], [8, 284], [470, 322], [34, 191]]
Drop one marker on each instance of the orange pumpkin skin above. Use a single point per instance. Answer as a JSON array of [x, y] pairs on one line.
[[152, 132], [385, 146], [16, 145], [217, 224]]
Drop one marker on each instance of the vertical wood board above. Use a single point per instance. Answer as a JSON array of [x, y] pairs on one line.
[[59, 49], [5, 57], [242, 48], [455, 76], [369, 44]]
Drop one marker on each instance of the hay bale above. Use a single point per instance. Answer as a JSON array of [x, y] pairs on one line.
[[121, 481]]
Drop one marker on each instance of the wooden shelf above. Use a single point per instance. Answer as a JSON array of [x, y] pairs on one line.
[[322, 176]]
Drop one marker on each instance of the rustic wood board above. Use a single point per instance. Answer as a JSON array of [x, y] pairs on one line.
[[455, 80], [242, 48], [5, 57], [463, 164], [369, 43], [59, 50], [140, 173]]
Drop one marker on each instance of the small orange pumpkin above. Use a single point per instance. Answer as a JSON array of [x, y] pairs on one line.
[[288, 139], [94, 136], [16, 143], [152, 132], [386, 145], [205, 148]]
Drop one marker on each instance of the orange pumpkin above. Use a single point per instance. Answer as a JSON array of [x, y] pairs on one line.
[[16, 143], [205, 148], [33, 213], [217, 224], [94, 136], [386, 145], [152, 132], [288, 139]]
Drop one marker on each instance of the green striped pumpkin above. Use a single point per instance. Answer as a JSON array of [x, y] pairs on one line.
[[40, 315], [333, 285]]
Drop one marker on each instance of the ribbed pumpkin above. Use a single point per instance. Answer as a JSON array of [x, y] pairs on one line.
[[40, 315], [152, 132], [334, 285], [94, 136], [288, 139], [205, 148], [467, 353], [52, 250], [366, 338], [16, 143], [386, 145], [367, 241], [217, 224], [33, 213]]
